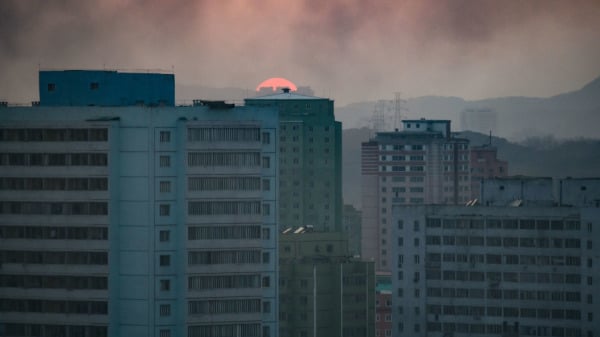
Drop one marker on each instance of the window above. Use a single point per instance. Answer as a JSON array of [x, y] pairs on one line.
[[266, 162], [51, 86], [94, 86], [266, 185], [165, 136], [164, 235], [266, 138], [266, 209], [266, 233], [266, 282], [165, 310], [165, 161], [165, 333], [165, 285], [165, 260], [165, 210], [266, 257], [165, 186]]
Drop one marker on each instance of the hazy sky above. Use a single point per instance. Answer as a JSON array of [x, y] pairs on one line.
[[350, 50]]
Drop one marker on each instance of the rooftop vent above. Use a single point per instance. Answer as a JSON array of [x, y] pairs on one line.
[[285, 90]]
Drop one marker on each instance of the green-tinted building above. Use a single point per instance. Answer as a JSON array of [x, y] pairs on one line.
[[310, 159], [319, 282]]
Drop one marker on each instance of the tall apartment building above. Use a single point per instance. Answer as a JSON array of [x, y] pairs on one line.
[[485, 164], [422, 164], [310, 160], [322, 290], [518, 267], [138, 221]]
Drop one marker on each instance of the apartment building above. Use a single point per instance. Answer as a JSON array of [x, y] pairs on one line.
[[310, 160], [421, 164], [138, 220], [514, 268]]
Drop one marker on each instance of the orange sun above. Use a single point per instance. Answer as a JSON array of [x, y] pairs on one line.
[[277, 82]]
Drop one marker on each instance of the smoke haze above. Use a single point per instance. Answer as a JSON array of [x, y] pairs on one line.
[[349, 50]]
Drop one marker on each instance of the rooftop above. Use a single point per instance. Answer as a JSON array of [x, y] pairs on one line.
[[286, 94]]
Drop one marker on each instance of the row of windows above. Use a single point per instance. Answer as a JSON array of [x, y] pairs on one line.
[[35, 330], [54, 208], [54, 184], [401, 147], [224, 208], [224, 183], [513, 294], [224, 306], [54, 257], [54, 233], [224, 282], [478, 311], [54, 135], [418, 179], [402, 158], [225, 330], [433, 259], [224, 257], [497, 241], [497, 329], [224, 134], [495, 277], [528, 224], [231, 159], [237, 232], [54, 159], [54, 282], [396, 168], [52, 306]]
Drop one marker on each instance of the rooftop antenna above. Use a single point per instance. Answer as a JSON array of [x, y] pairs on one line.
[[398, 108], [490, 142]]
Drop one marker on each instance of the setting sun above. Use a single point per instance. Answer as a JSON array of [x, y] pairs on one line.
[[277, 82]]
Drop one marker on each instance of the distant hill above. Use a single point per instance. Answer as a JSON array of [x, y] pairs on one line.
[[568, 115], [536, 156]]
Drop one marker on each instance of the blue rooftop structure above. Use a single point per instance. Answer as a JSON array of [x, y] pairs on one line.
[[105, 88]]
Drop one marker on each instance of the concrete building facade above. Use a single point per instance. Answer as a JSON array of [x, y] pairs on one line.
[[310, 161], [138, 221], [422, 164], [517, 269], [322, 290]]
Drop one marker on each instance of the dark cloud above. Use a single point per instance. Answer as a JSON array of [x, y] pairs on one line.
[[356, 49]]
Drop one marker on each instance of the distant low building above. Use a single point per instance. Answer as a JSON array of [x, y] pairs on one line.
[[485, 164]]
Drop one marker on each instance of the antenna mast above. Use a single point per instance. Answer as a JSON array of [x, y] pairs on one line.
[[398, 108]]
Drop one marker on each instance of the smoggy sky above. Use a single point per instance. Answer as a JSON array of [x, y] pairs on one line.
[[349, 50]]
